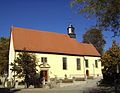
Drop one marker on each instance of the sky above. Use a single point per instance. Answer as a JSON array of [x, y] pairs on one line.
[[46, 15]]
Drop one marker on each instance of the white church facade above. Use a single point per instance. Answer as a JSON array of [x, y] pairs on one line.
[[58, 55]]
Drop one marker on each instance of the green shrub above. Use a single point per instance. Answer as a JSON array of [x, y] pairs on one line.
[[103, 83]]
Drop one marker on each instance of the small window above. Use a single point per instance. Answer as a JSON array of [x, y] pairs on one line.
[[96, 64], [86, 63], [43, 59], [78, 64], [64, 63]]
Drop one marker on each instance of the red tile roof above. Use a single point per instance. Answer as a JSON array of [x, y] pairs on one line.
[[50, 42]]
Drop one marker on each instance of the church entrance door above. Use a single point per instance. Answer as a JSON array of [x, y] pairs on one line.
[[44, 73]]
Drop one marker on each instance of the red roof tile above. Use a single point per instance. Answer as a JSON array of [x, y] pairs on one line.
[[42, 41]]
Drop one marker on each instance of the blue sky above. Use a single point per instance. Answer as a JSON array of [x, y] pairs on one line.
[[48, 15]]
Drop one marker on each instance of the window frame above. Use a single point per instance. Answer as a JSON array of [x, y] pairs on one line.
[[78, 64], [64, 60], [96, 63], [43, 59], [86, 63]]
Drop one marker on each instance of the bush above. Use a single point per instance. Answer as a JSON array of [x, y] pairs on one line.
[[104, 83]]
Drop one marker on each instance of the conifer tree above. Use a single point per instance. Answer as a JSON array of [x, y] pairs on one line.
[[24, 64], [110, 61], [4, 51]]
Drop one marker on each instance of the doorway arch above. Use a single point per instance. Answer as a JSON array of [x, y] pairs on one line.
[[87, 73]]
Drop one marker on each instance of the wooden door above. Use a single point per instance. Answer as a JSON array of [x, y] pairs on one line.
[[44, 73]]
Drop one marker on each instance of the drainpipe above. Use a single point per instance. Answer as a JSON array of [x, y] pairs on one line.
[[93, 70]]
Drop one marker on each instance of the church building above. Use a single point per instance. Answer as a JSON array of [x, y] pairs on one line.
[[58, 55]]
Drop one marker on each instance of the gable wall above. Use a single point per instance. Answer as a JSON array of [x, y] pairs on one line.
[[11, 56]]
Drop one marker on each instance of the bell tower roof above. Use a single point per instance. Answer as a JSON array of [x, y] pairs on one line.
[[71, 32]]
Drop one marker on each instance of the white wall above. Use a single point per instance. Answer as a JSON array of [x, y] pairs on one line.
[[56, 65], [11, 56], [93, 71]]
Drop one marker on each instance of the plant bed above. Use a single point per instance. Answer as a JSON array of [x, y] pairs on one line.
[[67, 81], [79, 79], [90, 77]]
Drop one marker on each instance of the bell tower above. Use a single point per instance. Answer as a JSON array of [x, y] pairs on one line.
[[71, 32]]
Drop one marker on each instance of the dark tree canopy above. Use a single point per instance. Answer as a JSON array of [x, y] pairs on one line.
[[24, 64], [107, 13], [95, 37], [4, 51]]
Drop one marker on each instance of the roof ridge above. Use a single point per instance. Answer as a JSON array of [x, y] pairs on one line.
[[29, 29]]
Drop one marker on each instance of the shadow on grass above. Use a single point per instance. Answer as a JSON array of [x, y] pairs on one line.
[[8, 90], [102, 90]]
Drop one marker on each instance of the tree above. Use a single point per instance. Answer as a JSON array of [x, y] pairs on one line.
[[95, 37], [107, 13], [111, 62], [24, 64], [4, 52]]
